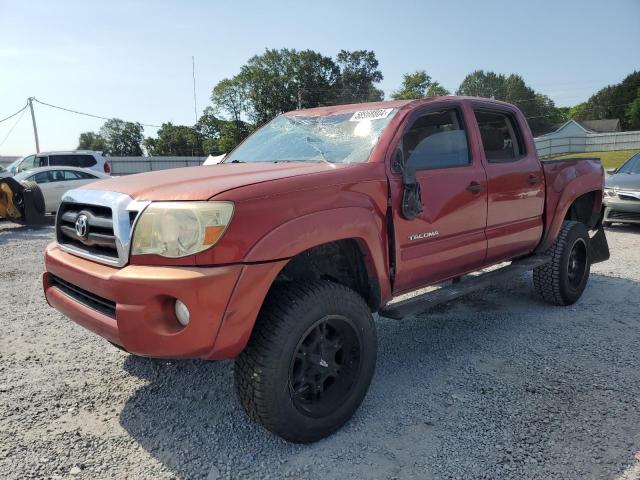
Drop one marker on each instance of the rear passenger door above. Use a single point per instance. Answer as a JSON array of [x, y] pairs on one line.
[[47, 187], [515, 183], [57, 188], [447, 238]]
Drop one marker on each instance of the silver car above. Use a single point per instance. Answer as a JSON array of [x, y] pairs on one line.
[[622, 193]]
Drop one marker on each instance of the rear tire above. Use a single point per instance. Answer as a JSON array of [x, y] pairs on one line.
[[309, 362], [38, 197], [562, 280]]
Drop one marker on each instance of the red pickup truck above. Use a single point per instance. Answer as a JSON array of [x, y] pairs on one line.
[[279, 256]]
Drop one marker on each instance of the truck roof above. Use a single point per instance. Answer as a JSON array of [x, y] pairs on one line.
[[353, 107]]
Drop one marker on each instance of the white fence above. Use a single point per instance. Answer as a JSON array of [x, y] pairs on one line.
[[129, 165], [592, 142]]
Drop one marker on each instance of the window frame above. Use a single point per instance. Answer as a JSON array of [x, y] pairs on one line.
[[515, 125], [431, 109]]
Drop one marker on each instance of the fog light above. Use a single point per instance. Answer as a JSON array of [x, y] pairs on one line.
[[182, 313]]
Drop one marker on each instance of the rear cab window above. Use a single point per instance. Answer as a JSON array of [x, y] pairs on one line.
[[501, 137]]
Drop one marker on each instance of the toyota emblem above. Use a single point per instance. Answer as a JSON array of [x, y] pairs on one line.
[[82, 226]]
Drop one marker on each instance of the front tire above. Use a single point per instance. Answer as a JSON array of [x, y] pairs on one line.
[[562, 280], [309, 362]]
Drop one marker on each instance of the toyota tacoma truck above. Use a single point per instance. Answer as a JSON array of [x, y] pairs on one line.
[[279, 256]]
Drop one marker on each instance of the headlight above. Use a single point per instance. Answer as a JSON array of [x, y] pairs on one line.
[[178, 229], [609, 192]]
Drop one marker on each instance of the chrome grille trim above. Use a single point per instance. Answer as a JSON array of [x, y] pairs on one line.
[[121, 205]]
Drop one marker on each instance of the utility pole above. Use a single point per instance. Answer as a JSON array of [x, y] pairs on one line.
[[193, 73], [35, 128]]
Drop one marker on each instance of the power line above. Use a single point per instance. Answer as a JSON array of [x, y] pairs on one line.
[[88, 114], [13, 114], [24, 109]]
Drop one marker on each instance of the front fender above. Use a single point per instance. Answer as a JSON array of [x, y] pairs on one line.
[[271, 253], [308, 231]]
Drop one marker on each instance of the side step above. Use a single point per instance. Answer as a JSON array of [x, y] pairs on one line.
[[459, 288]]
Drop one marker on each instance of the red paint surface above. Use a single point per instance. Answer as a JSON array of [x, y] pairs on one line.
[[284, 209]]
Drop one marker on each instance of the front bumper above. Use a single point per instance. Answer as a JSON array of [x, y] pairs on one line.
[[142, 319], [623, 211]]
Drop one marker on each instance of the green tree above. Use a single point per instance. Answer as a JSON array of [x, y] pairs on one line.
[[231, 134], [481, 84], [116, 137], [122, 138], [231, 96], [633, 113], [358, 75], [414, 85], [539, 109], [219, 135], [92, 141], [613, 101], [418, 85], [437, 90], [175, 140], [281, 80]]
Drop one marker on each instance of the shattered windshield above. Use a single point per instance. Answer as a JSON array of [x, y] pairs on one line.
[[341, 138]]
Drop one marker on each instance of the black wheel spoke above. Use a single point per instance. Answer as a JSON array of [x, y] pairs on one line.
[[325, 365]]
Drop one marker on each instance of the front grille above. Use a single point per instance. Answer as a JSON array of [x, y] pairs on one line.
[[99, 240], [95, 302], [109, 218], [623, 216]]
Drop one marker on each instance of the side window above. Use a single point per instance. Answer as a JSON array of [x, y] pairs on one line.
[[436, 140], [42, 161], [86, 161], [42, 177], [632, 165], [501, 138], [27, 164], [58, 160], [85, 175], [57, 176], [71, 175]]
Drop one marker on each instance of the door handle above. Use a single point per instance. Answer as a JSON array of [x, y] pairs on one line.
[[475, 187], [532, 179]]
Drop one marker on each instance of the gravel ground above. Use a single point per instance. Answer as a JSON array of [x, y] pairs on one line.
[[497, 385]]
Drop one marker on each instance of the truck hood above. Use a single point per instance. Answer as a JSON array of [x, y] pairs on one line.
[[202, 183], [624, 181]]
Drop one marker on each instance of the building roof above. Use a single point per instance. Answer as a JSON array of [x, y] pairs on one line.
[[601, 126], [590, 126]]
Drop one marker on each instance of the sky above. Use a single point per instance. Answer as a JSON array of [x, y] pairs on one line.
[[132, 59]]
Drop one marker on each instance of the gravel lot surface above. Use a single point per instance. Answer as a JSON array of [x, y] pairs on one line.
[[497, 385]]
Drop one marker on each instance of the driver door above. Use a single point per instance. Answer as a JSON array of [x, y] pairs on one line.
[[448, 237]]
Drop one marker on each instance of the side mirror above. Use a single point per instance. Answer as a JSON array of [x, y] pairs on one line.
[[411, 193], [611, 171]]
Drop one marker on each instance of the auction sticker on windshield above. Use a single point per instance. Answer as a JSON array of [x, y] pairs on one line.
[[370, 114]]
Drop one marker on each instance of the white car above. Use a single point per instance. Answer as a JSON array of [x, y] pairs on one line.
[[74, 158], [55, 181]]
